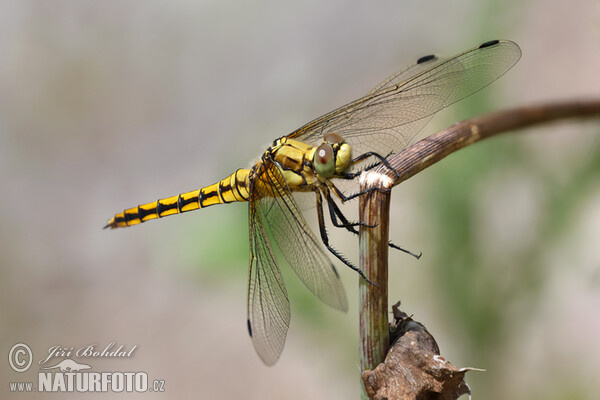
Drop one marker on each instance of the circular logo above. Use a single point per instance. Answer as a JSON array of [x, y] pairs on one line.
[[20, 357]]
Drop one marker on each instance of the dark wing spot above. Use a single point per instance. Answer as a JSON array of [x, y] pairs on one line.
[[490, 43], [249, 328], [426, 58]]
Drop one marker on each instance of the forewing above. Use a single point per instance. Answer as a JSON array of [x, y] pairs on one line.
[[295, 240], [414, 69], [387, 119]]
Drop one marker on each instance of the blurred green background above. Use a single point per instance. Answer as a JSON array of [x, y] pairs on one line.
[[104, 105]]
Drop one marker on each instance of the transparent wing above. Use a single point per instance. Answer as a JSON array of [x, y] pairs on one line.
[[275, 215], [268, 304], [296, 241], [414, 69], [388, 118]]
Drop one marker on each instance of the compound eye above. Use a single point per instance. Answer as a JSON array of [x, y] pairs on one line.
[[333, 137], [324, 160]]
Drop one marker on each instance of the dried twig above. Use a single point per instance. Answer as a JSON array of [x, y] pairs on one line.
[[374, 334], [432, 149]]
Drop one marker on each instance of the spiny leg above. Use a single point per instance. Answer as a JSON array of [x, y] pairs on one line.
[[353, 175], [395, 246], [335, 213], [368, 154], [345, 198], [325, 239]]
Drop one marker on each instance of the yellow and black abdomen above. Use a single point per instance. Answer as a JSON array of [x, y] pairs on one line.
[[231, 189]]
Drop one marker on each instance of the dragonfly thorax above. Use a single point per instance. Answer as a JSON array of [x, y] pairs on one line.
[[303, 166]]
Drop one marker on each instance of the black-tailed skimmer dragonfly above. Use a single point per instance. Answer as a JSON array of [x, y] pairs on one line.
[[335, 146]]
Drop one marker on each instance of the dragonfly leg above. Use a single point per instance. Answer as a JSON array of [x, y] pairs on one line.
[[335, 211], [395, 246], [381, 158], [345, 198], [352, 175], [325, 240]]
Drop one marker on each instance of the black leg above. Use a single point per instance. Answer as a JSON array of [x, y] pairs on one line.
[[334, 210], [325, 239], [345, 198], [395, 246], [335, 213], [381, 158], [352, 175]]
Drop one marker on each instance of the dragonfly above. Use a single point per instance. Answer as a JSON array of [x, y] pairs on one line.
[[316, 158]]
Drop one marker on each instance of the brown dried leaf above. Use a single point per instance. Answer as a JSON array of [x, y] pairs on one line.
[[413, 368]]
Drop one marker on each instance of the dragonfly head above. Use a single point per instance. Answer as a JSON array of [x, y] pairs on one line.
[[332, 156]]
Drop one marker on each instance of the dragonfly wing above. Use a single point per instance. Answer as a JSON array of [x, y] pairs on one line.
[[414, 69], [268, 304], [274, 215], [296, 241], [388, 118]]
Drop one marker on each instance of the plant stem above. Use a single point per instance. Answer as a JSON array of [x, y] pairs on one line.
[[373, 307]]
